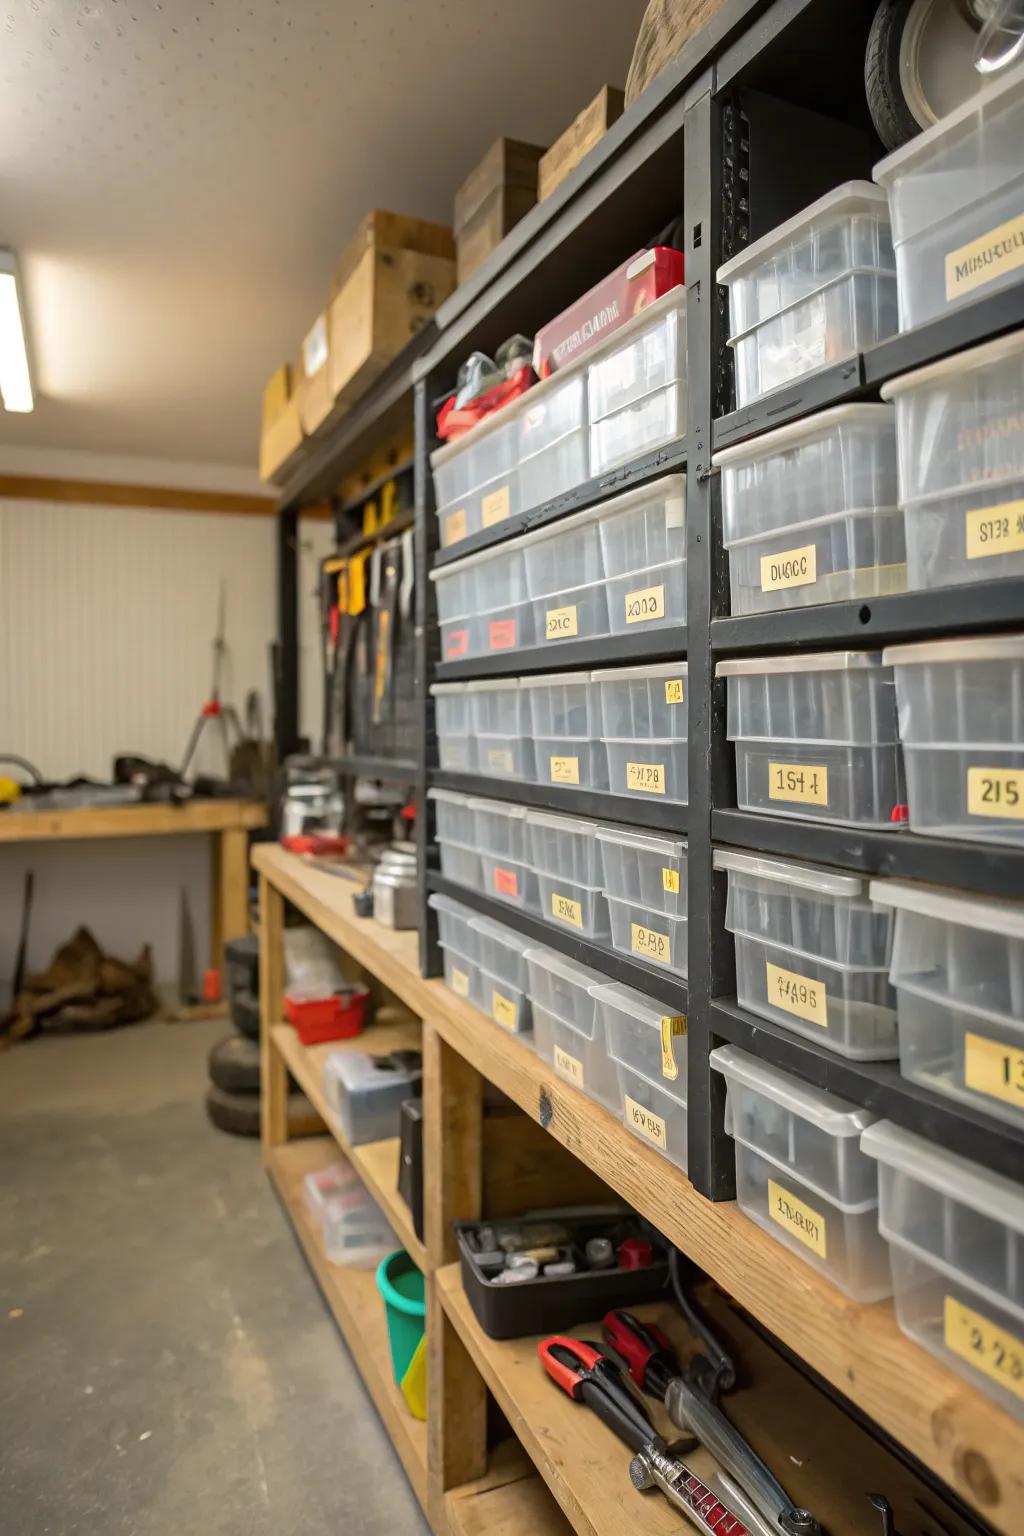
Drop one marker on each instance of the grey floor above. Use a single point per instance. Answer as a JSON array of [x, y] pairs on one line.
[[167, 1367]]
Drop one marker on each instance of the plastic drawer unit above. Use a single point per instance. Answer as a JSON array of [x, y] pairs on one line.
[[567, 1029], [566, 735], [500, 832], [637, 384], [644, 729], [956, 1236], [461, 862], [459, 943], [816, 737], [958, 970], [816, 290], [499, 716], [812, 954], [810, 511], [961, 717], [482, 605], [476, 479], [454, 817], [502, 974], [643, 541], [956, 199], [456, 744], [960, 444], [566, 857], [565, 578], [801, 1174], [645, 884], [648, 1048], [552, 444]]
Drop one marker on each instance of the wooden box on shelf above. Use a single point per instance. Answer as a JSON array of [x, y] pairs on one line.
[[492, 199], [281, 431], [581, 135]]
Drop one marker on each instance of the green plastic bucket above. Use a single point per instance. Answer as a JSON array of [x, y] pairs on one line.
[[401, 1285]]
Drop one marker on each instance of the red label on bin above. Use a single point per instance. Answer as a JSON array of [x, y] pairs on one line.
[[506, 882], [457, 643], [502, 634]]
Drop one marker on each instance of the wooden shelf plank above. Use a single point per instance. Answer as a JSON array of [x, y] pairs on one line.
[[131, 820], [357, 1307], [511, 1500]]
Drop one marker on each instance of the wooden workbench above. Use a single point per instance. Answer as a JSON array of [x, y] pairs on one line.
[[954, 1431]]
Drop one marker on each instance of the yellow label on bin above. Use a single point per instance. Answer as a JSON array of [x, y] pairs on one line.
[[565, 770], [653, 946], [981, 261], [796, 994], [801, 1221], [455, 526], [805, 783], [644, 604], [563, 910], [674, 690], [495, 507], [649, 1125], [790, 568], [673, 1026], [992, 531], [568, 1067], [670, 881], [500, 760], [503, 1010], [560, 624], [990, 1349], [460, 983], [994, 1069], [647, 778], [996, 792]]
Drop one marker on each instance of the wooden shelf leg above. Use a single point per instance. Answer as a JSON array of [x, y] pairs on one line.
[[230, 906], [273, 1072]]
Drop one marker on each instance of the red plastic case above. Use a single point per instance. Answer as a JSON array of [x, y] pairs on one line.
[[317, 1020], [609, 304]]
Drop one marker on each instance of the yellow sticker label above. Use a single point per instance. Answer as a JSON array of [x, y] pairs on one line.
[[990, 1349], [499, 760], [495, 507], [808, 785], [670, 881], [996, 792], [673, 1027], [674, 690], [994, 530], [644, 604], [994, 1069], [455, 526], [791, 568], [503, 1010], [653, 946], [560, 624], [796, 994], [565, 770], [565, 911], [646, 1122], [804, 1223], [981, 261], [460, 983], [568, 1067], [646, 778]]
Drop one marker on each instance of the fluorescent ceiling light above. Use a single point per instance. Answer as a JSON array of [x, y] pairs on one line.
[[15, 379]]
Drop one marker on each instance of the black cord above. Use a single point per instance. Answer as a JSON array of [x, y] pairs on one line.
[[23, 762]]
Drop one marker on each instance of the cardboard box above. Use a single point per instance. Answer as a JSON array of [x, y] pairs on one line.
[[568, 150], [281, 431], [492, 199], [391, 232], [387, 297]]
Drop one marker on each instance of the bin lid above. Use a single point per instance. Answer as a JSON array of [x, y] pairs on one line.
[[992, 1194], [448, 687], [905, 158], [556, 679], [449, 796], [492, 684], [668, 487], [442, 903], [813, 661], [647, 842], [482, 557], [807, 877], [831, 1114], [982, 912], [977, 648], [498, 808], [559, 965], [986, 356], [502, 934], [627, 1000], [561, 823], [851, 198], [628, 674], [858, 413]]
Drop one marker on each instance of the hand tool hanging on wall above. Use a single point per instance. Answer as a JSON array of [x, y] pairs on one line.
[[385, 585]]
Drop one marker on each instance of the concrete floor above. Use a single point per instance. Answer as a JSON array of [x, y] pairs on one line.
[[167, 1367]]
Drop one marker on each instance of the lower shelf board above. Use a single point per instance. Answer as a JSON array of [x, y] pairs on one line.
[[510, 1500], [356, 1304]]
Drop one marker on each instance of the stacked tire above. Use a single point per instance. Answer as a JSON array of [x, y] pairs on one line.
[[233, 1097]]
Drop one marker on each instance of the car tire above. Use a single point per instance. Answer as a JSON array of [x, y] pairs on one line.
[[894, 122], [236, 1113], [234, 1065], [245, 1014]]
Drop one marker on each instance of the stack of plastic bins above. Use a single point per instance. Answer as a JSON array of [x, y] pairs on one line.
[[961, 717], [500, 719], [482, 605], [566, 734], [645, 883], [812, 953], [955, 194], [800, 1173], [564, 576], [958, 970], [810, 511], [643, 729], [818, 289], [636, 382], [567, 1030], [553, 453], [565, 854], [816, 737], [476, 482], [500, 832], [648, 1048], [956, 1242], [456, 746], [460, 946], [502, 975], [961, 464], [456, 838], [643, 541]]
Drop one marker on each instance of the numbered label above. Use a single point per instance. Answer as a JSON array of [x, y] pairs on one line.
[[996, 792], [648, 603], [995, 530], [495, 507], [565, 911], [646, 778], [791, 568], [994, 1069], [568, 1067], [670, 881], [460, 983], [673, 1028], [503, 1010], [455, 526], [795, 994], [501, 634], [500, 760], [991, 1350], [807, 786], [653, 946], [560, 624], [674, 690], [506, 882], [565, 770], [802, 1221], [645, 1122], [980, 261], [456, 643]]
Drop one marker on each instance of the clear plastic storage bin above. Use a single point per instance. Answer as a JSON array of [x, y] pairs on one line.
[[648, 1046], [956, 1235], [553, 450], [499, 828], [506, 1004], [812, 953], [637, 384], [644, 728], [501, 951], [482, 604], [956, 193], [961, 464], [454, 817], [649, 933], [461, 863], [500, 720], [566, 735], [644, 869], [818, 289], [801, 1175], [453, 920], [453, 722], [961, 719], [565, 577], [578, 1055], [816, 737], [958, 970], [354, 1230], [643, 540], [511, 880], [567, 859], [476, 479], [810, 512], [563, 987]]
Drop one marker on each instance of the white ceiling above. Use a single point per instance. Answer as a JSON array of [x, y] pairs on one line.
[[178, 177]]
